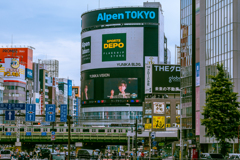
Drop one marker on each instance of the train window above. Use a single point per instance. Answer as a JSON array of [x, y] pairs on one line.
[[115, 130], [72, 130], [61, 129], [11, 129], [0, 129], [37, 130], [6, 129], [29, 129], [101, 130], [77, 130], [120, 130], [55, 130], [109, 130], [44, 129], [85, 130], [21, 129], [93, 130]]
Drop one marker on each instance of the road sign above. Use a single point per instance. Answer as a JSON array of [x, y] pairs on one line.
[[28, 133], [161, 144], [45, 123], [12, 106], [44, 134], [153, 135], [52, 137], [53, 133], [50, 112], [8, 133], [9, 115], [63, 113], [154, 143], [30, 112], [143, 141]]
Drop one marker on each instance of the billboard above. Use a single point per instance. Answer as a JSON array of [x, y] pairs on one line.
[[112, 86], [158, 122], [159, 107], [12, 70], [76, 90], [119, 16], [25, 55], [115, 48], [118, 88], [86, 50], [148, 78], [166, 78]]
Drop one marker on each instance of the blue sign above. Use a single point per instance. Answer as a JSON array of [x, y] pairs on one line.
[[8, 133], [44, 134], [30, 112], [69, 87], [63, 113], [45, 123], [28, 73], [53, 133], [9, 115], [154, 143], [143, 141], [12, 106], [50, 112], [198, 74], [28, 133]]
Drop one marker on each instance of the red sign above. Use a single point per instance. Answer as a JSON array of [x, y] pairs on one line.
[[53, 137]]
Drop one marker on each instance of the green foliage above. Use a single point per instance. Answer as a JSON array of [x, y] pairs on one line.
[[221, 115]]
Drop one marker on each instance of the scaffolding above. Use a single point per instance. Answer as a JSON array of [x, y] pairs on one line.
[[52, 66]]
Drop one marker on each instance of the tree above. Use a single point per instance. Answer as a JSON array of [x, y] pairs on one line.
[[221, 114]]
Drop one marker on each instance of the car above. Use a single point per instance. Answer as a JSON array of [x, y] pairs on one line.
[[44, 153], [84, 154], [58, 156], [5, 154], [215, 156], [234, 156], [204, 155]]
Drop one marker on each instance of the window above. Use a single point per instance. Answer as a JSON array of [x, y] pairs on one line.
[[93, 130], [101, 130], [85, 130], [44, 129], [120, 131], [109, 130], [37, 130]]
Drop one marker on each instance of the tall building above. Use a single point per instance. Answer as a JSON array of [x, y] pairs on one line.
[[52, 67], [209, 35], [116, 45], [177, 55]]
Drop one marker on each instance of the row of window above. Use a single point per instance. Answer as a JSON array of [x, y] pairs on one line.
[[14, 88]]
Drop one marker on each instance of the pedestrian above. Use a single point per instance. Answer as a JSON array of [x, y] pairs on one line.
[[119, 154], [142, 155]]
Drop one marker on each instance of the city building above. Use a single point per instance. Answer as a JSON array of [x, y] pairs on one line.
[[209, 35], [112, 80], [1, 96], [177, 55], [43, 78], [36, 88], [52, 67]]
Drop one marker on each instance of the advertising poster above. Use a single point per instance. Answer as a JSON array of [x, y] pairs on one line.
[[198, 123], [114, 47], [148, 126], [197, 98], [168, 109], [198, 74], [159, 122], [148, 78], [158, 107], [166, 78], [86, 50], [118, 88], [88, 90]]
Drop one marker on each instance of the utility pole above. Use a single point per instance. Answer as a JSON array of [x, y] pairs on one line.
[[52, 140], [136, 138], [69, 129]]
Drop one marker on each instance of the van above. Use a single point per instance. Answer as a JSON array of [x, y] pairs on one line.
[[5, 154], [233, 156], [84, 154]]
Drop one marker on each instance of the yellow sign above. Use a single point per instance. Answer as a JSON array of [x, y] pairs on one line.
[[16, 74], [148, 126], [154, 148], [168, 125], [159, 122], [14, 63]]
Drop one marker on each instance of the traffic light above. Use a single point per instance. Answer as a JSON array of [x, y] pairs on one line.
[[139, 131]]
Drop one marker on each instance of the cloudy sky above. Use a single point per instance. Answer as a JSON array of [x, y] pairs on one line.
[[53, 27]]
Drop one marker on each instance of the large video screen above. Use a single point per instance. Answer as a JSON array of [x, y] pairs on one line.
[[118, 88], [88, 90]]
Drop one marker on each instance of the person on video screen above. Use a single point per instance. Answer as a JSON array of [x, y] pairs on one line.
[[85, 93], [122, 86], [112, 94]]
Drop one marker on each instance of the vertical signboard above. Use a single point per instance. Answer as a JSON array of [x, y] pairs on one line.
[[63, 113], [114, 47], [69, 87], [197, 98], [86, 50], [50, 112], [30, 112], [198, 74], [197, 123], [148, 79]]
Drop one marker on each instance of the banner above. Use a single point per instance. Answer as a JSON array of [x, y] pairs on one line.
[[86, 50], [148, 78]]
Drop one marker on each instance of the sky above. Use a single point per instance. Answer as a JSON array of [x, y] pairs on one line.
[[53, 28]]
